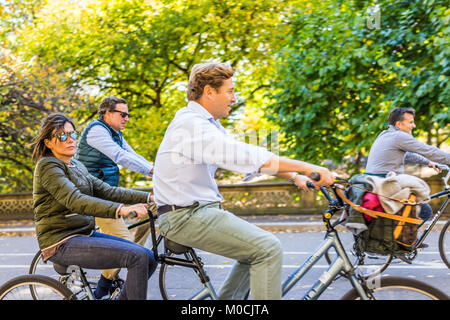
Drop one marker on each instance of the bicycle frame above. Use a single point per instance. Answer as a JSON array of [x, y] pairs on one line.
[[193, 262], [436, 216], [341, 263]]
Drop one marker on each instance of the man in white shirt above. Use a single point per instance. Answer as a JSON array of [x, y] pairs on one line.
[[101, 149], [194, 146]]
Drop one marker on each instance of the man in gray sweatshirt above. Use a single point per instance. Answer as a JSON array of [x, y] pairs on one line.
[[396, 145]]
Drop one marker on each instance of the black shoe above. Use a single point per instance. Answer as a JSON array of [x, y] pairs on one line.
[[103, 287]]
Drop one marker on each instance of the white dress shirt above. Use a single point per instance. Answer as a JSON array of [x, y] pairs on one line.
[[194, 146]]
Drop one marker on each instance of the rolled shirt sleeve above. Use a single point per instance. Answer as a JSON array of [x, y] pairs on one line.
[[201, 142], [99, 138]]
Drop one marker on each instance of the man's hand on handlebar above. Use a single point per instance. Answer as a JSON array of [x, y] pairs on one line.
[[322, 177], [301, 182], [435, 166]]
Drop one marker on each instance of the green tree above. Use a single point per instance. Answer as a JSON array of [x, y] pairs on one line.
[[28, 92], [339, 79], [143, 51]]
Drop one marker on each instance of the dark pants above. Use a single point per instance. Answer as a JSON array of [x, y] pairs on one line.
[[103, 251], [425, 211]]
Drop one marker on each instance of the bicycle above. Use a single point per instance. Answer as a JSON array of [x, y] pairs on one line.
[[372, 288], [176, 255], [80, 282], [379, 263]]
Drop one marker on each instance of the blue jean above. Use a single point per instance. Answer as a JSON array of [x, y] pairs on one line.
[[425, 211], [103, 251]]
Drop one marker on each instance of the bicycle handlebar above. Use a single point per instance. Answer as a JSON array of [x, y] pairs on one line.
[[132, 215], [443, 167]]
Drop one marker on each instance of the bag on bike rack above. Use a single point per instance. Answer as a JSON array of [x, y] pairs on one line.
[[389, 236], [385, 233]]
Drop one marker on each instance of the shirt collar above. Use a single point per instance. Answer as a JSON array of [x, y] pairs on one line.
[[198, 108]]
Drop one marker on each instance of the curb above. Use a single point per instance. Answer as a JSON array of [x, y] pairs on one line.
[[272, 226]]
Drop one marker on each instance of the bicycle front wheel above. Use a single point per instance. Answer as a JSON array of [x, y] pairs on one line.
[[395, 288], [444, 244], [19, 288], [178, 282]]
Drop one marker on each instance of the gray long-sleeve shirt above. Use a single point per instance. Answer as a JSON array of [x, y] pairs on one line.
[[394, 147]]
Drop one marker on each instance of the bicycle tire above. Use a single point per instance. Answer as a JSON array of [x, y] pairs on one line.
[[57, 288], [46, 269], [408, 284], [184, 281], [444, 232]]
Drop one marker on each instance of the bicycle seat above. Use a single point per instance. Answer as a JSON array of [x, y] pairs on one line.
[[175, 247], [62, 270]]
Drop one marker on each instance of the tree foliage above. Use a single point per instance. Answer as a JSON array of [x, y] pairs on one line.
[[311, 69], [143, 51], [338, 79]]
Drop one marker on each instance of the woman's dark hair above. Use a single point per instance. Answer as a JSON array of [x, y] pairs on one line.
[[398, 114], [108, 104], [50, 125]]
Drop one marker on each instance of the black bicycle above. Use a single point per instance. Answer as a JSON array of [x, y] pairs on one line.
[[372, 264]]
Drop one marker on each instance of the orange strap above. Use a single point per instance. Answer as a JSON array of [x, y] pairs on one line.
[[406, 212], [375, 214]]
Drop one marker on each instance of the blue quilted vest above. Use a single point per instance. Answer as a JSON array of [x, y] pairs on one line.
[[96, 162]]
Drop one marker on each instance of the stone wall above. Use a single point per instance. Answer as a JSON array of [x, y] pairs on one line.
[[269, 198]]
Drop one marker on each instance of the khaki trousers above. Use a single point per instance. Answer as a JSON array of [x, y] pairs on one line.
[[258, 253], [118, 228]]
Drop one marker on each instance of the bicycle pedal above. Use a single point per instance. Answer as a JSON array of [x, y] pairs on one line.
[[114, 294], [404, 259], [423, 246]]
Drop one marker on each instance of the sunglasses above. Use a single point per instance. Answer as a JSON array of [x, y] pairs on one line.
[[123, 114], [62, 136]]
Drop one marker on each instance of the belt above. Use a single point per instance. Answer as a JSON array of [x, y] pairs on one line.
[[166, 208]]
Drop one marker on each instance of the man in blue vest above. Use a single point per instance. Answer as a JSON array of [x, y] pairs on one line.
[[102, 148]]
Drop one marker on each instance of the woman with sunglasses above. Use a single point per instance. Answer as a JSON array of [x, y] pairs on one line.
[[66, 198]]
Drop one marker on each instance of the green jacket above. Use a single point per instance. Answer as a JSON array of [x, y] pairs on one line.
[[67, 198]]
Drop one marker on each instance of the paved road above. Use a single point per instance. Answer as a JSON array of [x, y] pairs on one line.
[[16, 254]]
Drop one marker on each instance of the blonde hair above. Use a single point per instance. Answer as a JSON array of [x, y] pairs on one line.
[[209, 73]]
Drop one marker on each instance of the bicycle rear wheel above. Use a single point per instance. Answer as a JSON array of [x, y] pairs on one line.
[[444, 244], [19, 288], [178, 282], [38, 267], [396, 288]]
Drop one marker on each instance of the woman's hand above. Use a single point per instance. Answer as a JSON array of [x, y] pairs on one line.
[[139, 208]]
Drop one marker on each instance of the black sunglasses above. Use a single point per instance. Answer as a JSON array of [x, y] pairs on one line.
[[62, 136], [123, 114]]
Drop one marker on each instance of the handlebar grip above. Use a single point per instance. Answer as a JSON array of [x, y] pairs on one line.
[[310, 185], [314, 176], [132, 215]]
